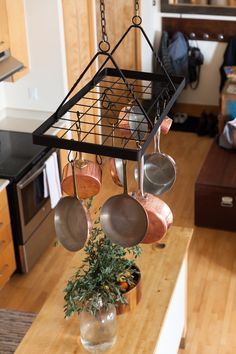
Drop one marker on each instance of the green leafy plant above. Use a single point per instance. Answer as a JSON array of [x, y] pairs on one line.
[[105, 275]]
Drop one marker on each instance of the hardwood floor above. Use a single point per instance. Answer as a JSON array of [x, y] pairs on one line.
[[212, 261]]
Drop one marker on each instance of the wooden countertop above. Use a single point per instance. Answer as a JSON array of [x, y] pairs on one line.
[[139, 330], [3, 184]]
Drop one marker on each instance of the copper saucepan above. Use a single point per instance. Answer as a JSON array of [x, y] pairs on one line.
[[159, 214], [88, 178]]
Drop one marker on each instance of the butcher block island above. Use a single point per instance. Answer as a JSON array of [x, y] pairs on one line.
[[158, 323]]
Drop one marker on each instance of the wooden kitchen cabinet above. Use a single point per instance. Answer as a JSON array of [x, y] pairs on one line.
[[4, 35], [13, 32], [7, 256]]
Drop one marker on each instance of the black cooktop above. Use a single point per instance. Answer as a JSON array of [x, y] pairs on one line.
[[17, 153]]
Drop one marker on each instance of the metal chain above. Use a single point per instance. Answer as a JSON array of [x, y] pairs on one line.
[[136, 18], [103, 21], [136, 7]]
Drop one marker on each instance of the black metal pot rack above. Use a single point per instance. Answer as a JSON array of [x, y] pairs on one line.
[[100, 107]]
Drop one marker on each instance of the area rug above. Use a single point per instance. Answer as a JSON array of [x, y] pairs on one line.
[[13, 327]]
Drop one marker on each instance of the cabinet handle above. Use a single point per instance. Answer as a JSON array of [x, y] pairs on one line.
[[227, 202], [4, 269]]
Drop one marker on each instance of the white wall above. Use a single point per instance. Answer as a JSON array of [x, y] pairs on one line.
[[46, 84], [152, 27], [2, 98], [208, 90]]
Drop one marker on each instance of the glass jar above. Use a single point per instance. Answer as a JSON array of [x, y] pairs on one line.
[[98, 332]]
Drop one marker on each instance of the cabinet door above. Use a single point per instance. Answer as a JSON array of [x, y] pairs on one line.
[[4, 36], [79, 42], [17, 34], [118, 19]]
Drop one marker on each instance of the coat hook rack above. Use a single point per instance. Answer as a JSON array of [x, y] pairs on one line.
[[199, 29]]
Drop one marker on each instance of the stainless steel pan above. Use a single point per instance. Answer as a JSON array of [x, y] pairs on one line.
[[72, 221], [159, 170], [123, 218]]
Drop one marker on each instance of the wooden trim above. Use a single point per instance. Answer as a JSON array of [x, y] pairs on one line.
[[213, 28], [194, 9], [182, 344]]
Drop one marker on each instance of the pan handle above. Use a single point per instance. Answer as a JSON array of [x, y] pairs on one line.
[[125, 177], [74, 178], [140, 175], [140, 171], [157, 141]]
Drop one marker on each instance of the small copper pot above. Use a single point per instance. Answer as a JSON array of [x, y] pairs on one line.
[[88, 179]]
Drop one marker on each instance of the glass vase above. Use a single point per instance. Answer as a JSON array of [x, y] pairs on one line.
[[98, 332]]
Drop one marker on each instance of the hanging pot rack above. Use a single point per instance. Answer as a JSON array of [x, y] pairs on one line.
[[96, 108]]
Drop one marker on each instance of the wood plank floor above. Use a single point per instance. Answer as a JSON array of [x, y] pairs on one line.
[[212, 259]]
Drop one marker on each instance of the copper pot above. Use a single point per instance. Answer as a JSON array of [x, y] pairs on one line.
[[88, 178], [159, 215], [158, 212]]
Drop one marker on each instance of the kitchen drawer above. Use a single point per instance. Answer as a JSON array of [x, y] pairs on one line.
[[215, 207], [215, 190], [3, 199], [5, 236], [7, 264]]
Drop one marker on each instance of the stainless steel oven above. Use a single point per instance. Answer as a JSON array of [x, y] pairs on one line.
[[32, 217], [33, 206]]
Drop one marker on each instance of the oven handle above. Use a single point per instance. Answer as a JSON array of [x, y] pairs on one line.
[[31, 178]]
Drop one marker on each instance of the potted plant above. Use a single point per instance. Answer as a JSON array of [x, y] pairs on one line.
[[106, 275]]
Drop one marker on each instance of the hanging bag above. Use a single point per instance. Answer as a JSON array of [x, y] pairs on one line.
[[181, 59], [195, 60]]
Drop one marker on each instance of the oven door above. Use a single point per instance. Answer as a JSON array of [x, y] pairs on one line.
[[33, 206]]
